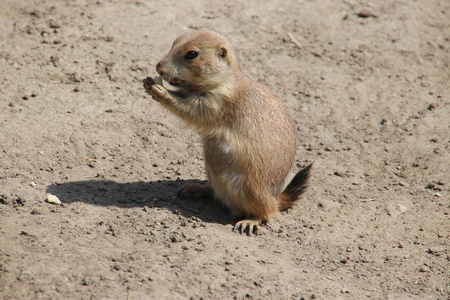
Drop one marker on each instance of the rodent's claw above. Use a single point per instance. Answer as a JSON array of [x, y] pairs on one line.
[[248, 226]]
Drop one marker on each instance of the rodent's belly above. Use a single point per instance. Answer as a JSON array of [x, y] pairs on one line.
[[222, 169], [226, 187], [244, 166]]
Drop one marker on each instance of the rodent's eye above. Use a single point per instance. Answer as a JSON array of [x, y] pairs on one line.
[[191, 55]]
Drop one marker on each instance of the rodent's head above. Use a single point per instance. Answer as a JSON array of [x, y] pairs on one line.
[[199, 62]]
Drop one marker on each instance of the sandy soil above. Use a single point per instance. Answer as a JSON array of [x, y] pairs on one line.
[[369, 93]]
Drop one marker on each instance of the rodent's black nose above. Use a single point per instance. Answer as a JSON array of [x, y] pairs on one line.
[[158, 69]]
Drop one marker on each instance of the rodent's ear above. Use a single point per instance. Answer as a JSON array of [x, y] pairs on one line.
[[223, 52]]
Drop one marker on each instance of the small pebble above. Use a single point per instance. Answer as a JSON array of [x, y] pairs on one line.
[[54, 24], [109, 38], [366, 14], [424, 269], [437, 251], [337, 173], [52, 199]]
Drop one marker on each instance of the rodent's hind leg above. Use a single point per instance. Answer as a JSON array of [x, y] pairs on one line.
[[197, 191], [248, 226]]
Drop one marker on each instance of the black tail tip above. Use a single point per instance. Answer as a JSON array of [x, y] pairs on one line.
[[295, 189], [302, 177]]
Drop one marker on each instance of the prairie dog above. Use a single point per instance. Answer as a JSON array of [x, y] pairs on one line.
[[247, 135]]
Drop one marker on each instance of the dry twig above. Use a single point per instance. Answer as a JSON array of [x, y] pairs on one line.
[[367, 200], [108, 65], [294, 41]]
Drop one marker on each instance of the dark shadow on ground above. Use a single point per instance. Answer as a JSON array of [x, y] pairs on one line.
[[161, 193]]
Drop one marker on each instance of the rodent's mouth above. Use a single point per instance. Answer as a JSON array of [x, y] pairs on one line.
[[174, 80], [174, 87], [171, 84], [175, 83]]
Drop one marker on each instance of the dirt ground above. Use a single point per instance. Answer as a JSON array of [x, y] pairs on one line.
[[369, 93]]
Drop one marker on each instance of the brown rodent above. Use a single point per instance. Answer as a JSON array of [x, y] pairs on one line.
[[247, 135]]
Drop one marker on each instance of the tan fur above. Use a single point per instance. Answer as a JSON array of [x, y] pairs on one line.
[[247, 134]]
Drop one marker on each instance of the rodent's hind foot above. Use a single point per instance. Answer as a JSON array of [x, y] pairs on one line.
[[249, 226], [196, 191]]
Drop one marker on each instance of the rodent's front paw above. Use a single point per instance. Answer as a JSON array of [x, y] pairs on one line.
[[158, 92], [148, 83]]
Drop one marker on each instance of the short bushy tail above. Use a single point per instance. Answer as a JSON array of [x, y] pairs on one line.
[[294, 190]]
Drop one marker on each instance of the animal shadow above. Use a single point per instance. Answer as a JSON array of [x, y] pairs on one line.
[[161, 193]]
